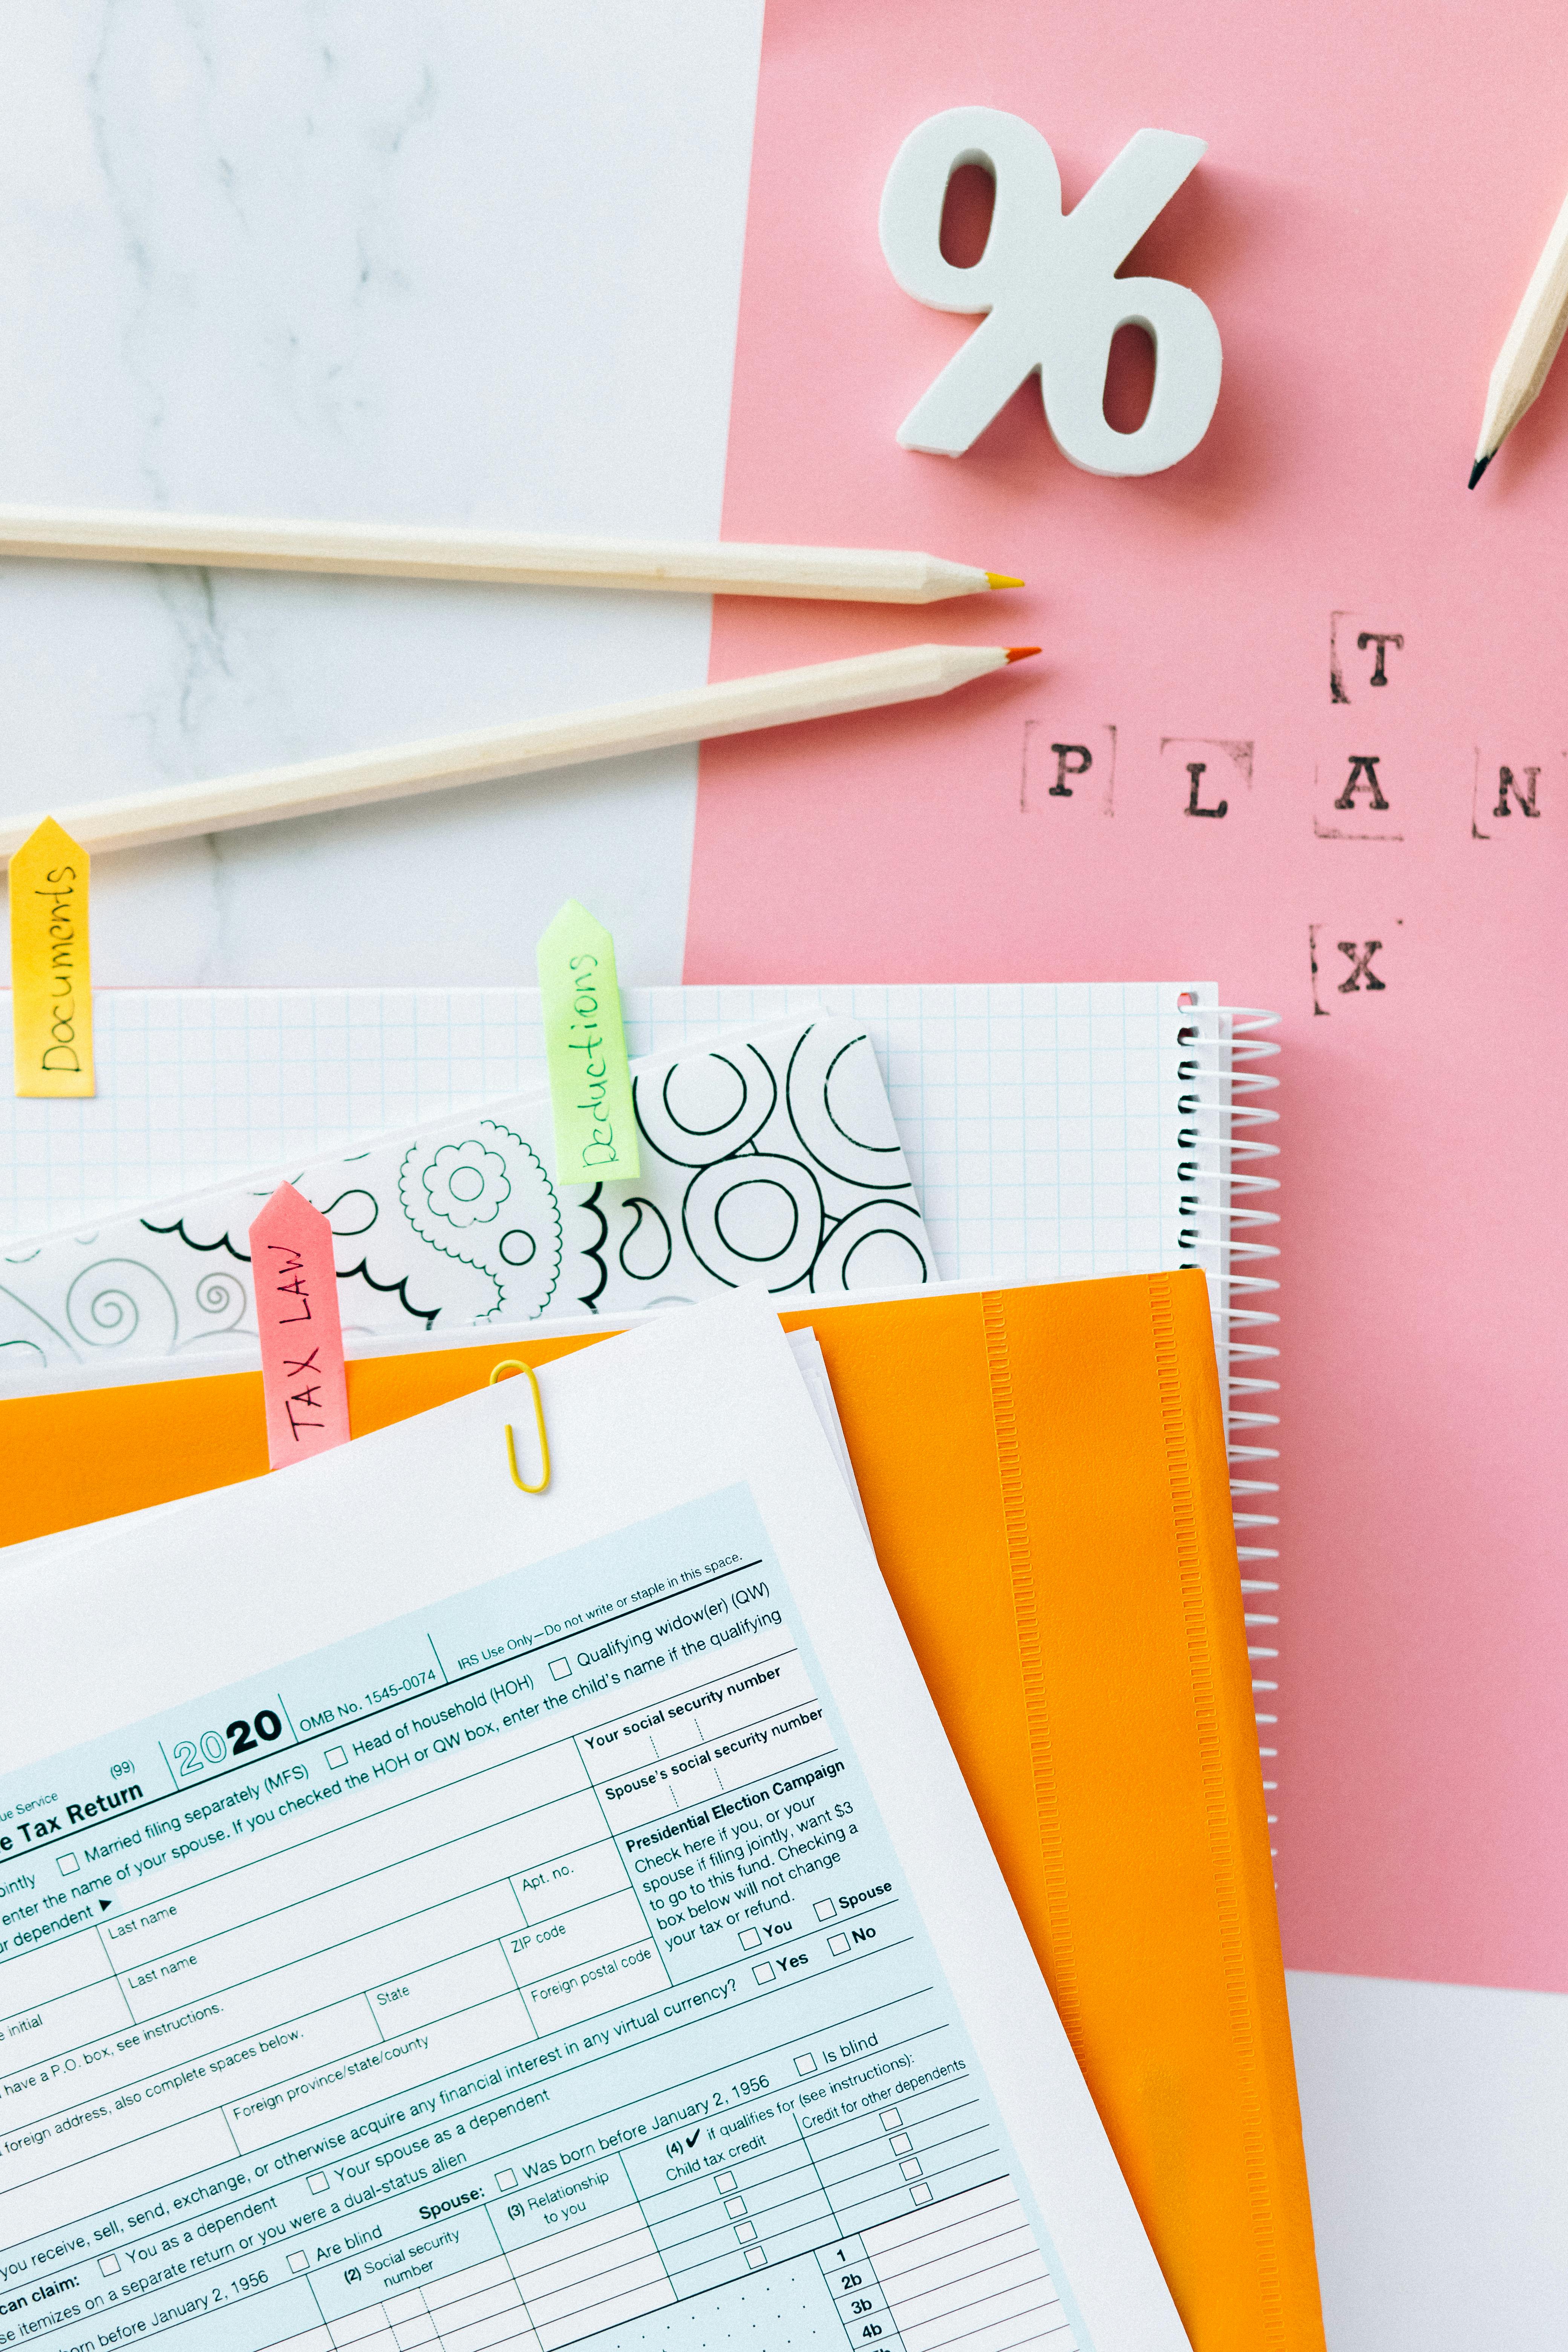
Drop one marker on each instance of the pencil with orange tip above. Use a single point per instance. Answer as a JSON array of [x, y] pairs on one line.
[[355, 778]]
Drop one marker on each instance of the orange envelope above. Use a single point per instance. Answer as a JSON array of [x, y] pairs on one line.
[[1043, 1472]]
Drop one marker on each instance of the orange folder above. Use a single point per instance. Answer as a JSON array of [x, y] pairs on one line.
[[1045, 1476]]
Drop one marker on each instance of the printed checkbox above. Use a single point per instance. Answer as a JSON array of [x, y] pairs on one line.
[[559, 1669], [745, 2229], [734, 2207], [755, 2258], [69, 1865], [921, 2192], [109, 2264], [823, 1910], [316, 2182], [723, 2180], [749, 1938], [336, 1757], [806, 2064], [763, 1971], [911, 2167], [838, 1943], [299, 2262], [506, 2180], [891, 2119]]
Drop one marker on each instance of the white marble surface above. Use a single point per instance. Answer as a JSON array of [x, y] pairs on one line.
[[474, 262]]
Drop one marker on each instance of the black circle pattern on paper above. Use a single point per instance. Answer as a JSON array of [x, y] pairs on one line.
[[772, 1155], [698, 1146]]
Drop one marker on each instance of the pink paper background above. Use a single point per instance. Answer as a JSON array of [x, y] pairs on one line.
[[1378, 185]]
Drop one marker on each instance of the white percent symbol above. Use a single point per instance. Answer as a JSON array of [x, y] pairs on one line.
[[1048, 281]]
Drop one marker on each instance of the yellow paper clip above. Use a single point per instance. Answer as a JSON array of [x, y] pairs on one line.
[[515, 1364]]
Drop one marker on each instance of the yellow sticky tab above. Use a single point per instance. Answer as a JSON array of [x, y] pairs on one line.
[[51, 979], [585, 1048]]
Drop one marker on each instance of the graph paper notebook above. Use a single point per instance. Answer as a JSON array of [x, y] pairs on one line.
[[1050, 1130]]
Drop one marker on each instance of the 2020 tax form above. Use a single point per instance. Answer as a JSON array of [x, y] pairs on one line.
[[434, 1915]]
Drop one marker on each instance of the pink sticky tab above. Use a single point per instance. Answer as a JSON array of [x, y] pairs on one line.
[[296, 1286]]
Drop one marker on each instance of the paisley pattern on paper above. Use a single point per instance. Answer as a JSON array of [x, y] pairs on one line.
[[486, 1200]]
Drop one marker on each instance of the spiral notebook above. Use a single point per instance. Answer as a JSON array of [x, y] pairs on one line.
[[1051, 1131]]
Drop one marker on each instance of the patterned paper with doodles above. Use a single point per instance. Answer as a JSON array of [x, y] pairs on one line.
[[768, 1158]]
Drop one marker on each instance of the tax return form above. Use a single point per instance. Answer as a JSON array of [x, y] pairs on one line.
[[463, 1918]]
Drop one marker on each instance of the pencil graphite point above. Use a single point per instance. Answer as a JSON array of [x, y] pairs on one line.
[[1002, 580], [1021, 653], [1479, 468]]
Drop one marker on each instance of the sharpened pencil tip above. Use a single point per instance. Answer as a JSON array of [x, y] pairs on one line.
[[1021, 653], [1002, 580], [1479, 468]]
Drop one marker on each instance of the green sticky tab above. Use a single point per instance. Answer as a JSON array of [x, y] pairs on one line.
[[586, 1045]]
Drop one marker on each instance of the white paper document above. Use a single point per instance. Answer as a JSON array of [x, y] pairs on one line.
[[465, 1918], [769, 1156]]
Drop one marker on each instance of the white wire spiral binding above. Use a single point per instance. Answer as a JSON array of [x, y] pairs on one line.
[[1222, 1226]]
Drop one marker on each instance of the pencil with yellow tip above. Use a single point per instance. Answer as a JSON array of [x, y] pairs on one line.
[[518, 559]]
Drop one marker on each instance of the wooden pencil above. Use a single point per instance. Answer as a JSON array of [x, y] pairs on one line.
[[222, 542], [1528, 347], [352, 780]]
